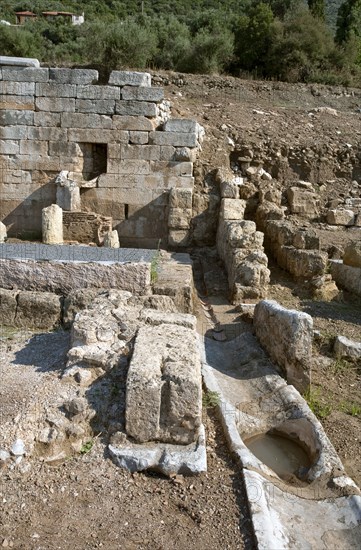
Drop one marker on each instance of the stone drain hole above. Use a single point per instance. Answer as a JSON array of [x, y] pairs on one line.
[[283, 455], [126, 211]]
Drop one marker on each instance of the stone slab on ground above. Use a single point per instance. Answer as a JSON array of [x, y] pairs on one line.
[[166, 459], [346, 276]]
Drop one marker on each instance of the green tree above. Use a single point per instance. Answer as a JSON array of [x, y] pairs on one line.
[[348, 20], [317, 8]]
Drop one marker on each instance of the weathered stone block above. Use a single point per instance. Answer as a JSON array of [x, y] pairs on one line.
[[346, 348], [8, 147], [52, 225], [137, 123], [17, 102], [47, 119], [8, 305], [136, 152], [180, 198], [17, 88], [98, 92], [13, 132], [352, 255], [130, 78], [340, 217], [74, 76], [97, 135], [67, 193], [14, 117], [346, 276], [136, 108], [128, 167], [25, 74], [179, 237], [80, 120], [177, 139], [180, 125], [97, 106], [179, 218], [302, 201], [287, 336], [163, 398], [55, 104], [142, 93], [47, 134], [64, 149], [39, 310], [52, 89], [138, 138], [31, 147], [173, 168], [232, 209]]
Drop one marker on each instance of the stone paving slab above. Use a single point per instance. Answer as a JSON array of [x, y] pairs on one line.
[[74, 253]]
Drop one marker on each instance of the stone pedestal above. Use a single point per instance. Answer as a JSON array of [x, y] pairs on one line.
[[52, 224]]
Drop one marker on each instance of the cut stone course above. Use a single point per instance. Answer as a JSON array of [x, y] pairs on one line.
[[130, 78]]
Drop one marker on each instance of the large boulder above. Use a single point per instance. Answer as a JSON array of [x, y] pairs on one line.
[[352, 255]]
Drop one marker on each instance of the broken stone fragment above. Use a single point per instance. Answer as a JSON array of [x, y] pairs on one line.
[[52, 224], [111, 239], [345, 348]]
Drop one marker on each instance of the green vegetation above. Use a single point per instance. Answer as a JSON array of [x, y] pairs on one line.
[[353, 409], [211, 399], [87, 447], [290, 40], [317, 403]]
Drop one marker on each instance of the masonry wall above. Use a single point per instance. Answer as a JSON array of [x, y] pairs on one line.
[[113, 140]]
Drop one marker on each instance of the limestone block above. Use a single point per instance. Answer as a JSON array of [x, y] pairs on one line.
[[136, 108], [96, 135], [39, 310], [302, 201], [137, 123], [67, 193], [163, 395], [74, 76], [25, 74], [340, 217], [47, 134], [229, 190], [62, 277], [46, 119], [177, 139], [34, 148], [98, 92], [8, 305], [18, 102], [181, 125], [64, 149], [13, 132], [130, 78], [346, 348], [52, 89], [287, 336], [55, 104], [17, 88], [14, 117], [179, 218], [135, 152], [138, 138], [352, 254], [111, 239], [232, 209], [305, 264], [180, 198], [306, 239], [8, 147], [80, 120], [179, 237], [346, 276], [155, 318], [3, 234], [268, 211], [52, 224], [172, 168], [97, 106], [142, 93], [178, 154], [128, 167]]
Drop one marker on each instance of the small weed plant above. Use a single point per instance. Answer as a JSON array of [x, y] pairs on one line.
[[353, 409], [316, 403], [211, 399]]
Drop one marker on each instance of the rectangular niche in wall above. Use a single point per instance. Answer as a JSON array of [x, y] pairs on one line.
[[94, 156]]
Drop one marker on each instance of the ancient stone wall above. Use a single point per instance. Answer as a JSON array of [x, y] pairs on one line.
[[112, 142]]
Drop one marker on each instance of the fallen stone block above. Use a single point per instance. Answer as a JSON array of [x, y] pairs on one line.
[[340, 217], [352, 254], [346, 348], [302, 201], [38, 310], [346, 276], [163, 397], [287, 336]]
